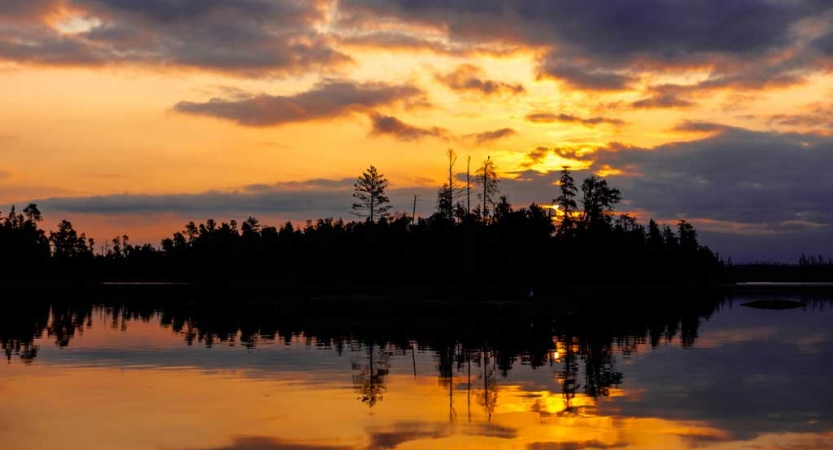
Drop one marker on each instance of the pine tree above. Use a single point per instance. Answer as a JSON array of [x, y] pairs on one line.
[[369, 191], [566, 201]]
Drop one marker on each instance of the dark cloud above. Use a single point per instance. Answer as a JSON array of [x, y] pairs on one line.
[[700, 127], [816, 116], [825, 43], [589, 79], [396, 40], [248, 37], [471, 78], [738, 176], [548, 117], [574, 445], [325, 101], [391, 126], [601, 45], [406, 432], [297, 200], [38, 44], [26, 8], [665, 29], [268, 443], [490, 136], [663, 97]]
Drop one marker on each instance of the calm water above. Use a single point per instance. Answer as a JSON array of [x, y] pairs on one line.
[[116, 376]]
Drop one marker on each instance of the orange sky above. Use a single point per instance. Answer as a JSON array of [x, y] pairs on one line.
[[102, 98]]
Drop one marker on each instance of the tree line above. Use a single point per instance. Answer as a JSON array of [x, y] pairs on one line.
[[476, 242]]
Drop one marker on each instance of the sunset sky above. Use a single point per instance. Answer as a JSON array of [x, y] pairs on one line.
[[136, 116]]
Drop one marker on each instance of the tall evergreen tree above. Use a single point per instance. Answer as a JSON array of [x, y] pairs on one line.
[[566, 201], [369, 191]]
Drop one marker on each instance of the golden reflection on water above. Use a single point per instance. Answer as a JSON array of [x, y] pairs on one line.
[[364, 402]]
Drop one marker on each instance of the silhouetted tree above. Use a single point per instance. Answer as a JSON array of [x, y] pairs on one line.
[[566, 201], [32, 213], [598, 201], [67, 243], [486, 178], [688, 236], [369, 190], [450, 191]]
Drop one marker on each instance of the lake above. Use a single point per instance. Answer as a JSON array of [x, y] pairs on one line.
[[153, 374]]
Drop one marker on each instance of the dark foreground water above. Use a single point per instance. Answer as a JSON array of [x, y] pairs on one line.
[[116, 376]]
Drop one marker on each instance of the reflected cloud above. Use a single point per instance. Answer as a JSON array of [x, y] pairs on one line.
[[574, 445], [268, 443], [404, 432]]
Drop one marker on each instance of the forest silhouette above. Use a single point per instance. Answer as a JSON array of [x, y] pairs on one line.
[[474, 248]]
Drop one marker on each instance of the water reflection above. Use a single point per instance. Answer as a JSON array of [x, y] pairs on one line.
[[663, 375]]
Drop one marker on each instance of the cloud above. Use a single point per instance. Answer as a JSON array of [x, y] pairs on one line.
[[817, 116], [574, 445], [268, 443], [700, 127], [383, 125], [824, 43], [397, 40], [6, 138], [468, 77], [737, 176], [404, 432], [296, 200], [249, 37], [598, 45], [326, 100], [491, 136], [585, 78], [388, 125], [662, 28], [663, 98], [548, 117]]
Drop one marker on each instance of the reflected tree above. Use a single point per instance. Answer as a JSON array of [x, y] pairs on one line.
[[369, 379]]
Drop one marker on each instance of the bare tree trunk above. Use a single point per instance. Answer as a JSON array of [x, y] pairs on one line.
[[413, 216], [468, 186]]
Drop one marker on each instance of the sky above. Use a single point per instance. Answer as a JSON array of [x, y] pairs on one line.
[[129, 116]]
